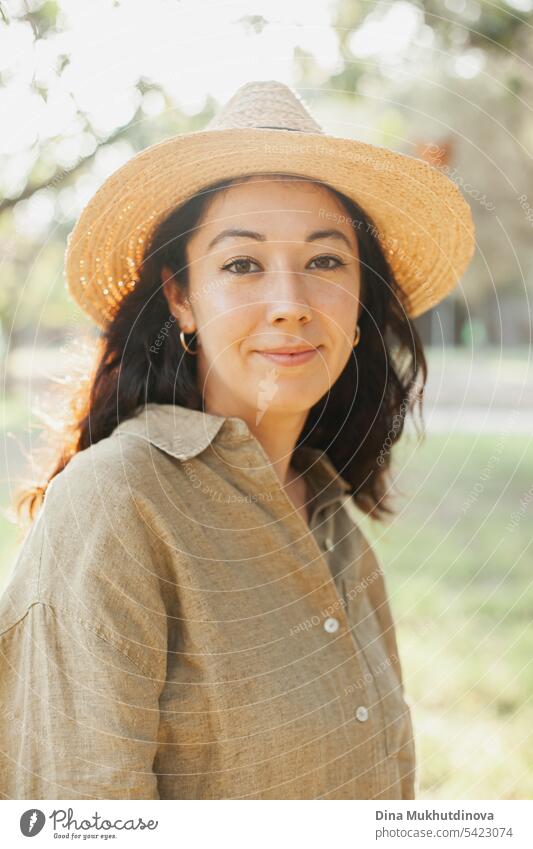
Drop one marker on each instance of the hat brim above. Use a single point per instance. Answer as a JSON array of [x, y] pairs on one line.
[[423, 222]]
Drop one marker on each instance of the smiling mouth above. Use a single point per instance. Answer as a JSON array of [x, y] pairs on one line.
[[288, 358]]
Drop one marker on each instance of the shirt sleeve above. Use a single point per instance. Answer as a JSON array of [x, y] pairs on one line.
[[78, 718], [83, 642], [407, 759]]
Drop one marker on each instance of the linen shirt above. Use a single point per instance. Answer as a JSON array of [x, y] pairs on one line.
[[172, 628]]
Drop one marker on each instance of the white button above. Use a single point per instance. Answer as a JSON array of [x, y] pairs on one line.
[[331, 625], [361, 713], [329, 544]]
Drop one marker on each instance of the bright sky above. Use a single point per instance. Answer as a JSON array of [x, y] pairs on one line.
[[191, 48]]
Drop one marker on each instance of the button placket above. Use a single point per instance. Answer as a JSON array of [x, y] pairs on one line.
[[306, 532], [331, 624], [337, 618], [361, 713], [329, 543], [334, 607], [333, 604], [390, 702]]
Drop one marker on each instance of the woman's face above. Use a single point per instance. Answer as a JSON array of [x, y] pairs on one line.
[[288, 278]]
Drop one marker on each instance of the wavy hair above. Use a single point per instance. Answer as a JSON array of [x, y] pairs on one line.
[[356, 423]]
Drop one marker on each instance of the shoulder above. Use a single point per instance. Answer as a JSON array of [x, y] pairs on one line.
[[93, 551], [104, 506], [121, 463], [115, 483]]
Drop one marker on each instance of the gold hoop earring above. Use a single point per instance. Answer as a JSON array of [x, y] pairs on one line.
[[357, 337], [184, 344]]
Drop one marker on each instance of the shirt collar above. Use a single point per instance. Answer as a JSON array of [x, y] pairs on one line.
[[185, 433]]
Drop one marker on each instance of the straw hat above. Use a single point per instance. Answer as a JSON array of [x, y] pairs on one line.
[[422, 221]]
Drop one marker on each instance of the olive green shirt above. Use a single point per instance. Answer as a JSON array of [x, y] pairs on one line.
[[172, 628]]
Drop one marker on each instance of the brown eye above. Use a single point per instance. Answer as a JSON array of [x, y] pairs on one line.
[[240, 265], [326, 257]]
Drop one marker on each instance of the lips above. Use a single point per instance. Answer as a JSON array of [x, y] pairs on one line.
[[298, 350], [290, 348], [289, 356]]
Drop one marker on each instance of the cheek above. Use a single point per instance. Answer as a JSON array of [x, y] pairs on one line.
[[338, 311], [224, 320]]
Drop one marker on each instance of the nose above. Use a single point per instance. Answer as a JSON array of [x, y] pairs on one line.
[[287, 299]]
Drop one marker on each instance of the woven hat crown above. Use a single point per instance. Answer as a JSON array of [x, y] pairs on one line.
[[265, 104]]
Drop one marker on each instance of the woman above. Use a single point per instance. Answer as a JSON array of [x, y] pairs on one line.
[[195, 612]]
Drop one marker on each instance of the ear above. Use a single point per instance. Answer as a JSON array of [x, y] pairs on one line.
[[178, 303]]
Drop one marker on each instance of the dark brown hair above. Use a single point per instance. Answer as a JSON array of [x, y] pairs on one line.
[[356, 423]]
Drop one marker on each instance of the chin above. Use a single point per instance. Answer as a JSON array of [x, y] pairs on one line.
[[285, 403]]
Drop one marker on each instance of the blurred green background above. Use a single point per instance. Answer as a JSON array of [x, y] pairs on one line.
[[457, 560], [83, 88]]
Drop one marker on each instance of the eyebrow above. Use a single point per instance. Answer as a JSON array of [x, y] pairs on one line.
[[259, 237]]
